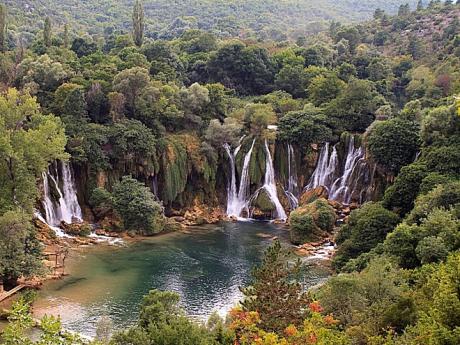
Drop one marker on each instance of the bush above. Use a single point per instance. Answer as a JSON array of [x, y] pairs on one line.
[[432, 180], [366, 228], [137, 207], [443, 196], [400, 196], [393, 143], [100, 198], [431, 241], [310, 221], [431, 249], [443, 159]]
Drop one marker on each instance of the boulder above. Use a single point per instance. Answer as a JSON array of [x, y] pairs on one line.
[[311, 195]]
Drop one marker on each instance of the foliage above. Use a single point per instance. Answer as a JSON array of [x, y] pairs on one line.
[[400, 196], [366, 227], [393, 143], [305, 127], [311, 221], [137, 207], [29, 141], [20, 251], [21, 322], [274, 294], [163, 322]]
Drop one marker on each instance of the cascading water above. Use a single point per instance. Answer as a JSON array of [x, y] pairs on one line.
[[292, 187], [342, 186], [66, 208], [270, 184], [237, 201]]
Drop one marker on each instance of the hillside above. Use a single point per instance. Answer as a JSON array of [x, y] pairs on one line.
[[263, 19]]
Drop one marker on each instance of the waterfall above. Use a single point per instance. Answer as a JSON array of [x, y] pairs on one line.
[[270, 185], [345, 185], [66, 208], [292, 187], [237, 201]]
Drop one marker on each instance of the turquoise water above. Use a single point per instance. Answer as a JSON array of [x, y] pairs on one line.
[[206, 266]]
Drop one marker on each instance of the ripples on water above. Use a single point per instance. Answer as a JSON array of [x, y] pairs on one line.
[[205, 266]]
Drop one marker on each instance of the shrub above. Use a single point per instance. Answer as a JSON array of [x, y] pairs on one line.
[[366, 228], [400, 196], [443, 196], [431, 241], [137, 207], [432, 180], [310, 221], [443, 159]]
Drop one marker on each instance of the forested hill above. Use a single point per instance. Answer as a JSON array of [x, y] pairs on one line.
[[227, 18]]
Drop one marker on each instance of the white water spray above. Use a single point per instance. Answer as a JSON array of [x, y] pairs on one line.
[[237, 200]]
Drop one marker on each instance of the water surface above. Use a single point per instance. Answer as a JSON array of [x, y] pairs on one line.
[[206, 266]]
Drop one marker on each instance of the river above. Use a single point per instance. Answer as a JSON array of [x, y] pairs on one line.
[[206, 265]]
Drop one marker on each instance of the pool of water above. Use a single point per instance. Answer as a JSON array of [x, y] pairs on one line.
[[206, 266]]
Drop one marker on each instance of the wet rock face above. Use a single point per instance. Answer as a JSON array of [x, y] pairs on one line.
[[81, 229], [311, 195]]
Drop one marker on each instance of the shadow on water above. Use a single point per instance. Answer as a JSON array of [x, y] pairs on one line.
[[206, 266]]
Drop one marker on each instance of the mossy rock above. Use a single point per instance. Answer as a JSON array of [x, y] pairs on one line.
[[311, 221], [263, 202]]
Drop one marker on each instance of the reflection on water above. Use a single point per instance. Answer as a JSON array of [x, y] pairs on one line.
[[205, 266]]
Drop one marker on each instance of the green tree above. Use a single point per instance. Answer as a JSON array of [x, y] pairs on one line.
[[47, 32], [20, 251], [354, 109], [400, 196], [20, 323], [163, 322], [393, 143], [138, 23], [130, 83], [275, 293], [66, 38], [3, 28], [137, 207], [324, 88], [29, 141], [305, 127], [367, 227]]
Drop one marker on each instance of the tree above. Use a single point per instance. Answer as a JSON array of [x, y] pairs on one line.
[[279, 299], [311, 221], [249, 70], [137, 207], [323, 89], [305, 127], [367, 227], [21, 323], [20, 251], [219, 134], [130, 83], [3, 28], [47, 32], [138, 23], [400, 196], [29, 141], [66, 38], [393, 143], [163, 322], [83, 47], [354, 108]]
